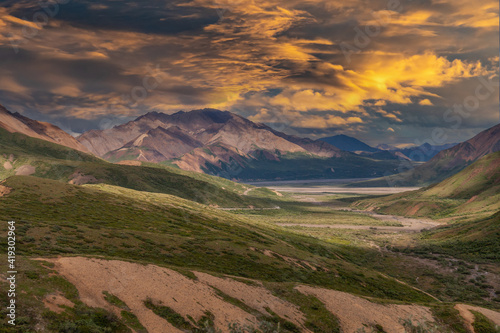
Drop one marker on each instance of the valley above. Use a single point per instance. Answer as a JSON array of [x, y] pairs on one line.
[[228, 166], [137, 246], [356, 257]]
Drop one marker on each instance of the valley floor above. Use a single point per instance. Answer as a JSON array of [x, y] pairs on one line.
[[324, 213]]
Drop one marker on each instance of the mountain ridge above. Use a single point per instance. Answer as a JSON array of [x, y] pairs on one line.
[[17, 123], [446, 163], [205, 140]]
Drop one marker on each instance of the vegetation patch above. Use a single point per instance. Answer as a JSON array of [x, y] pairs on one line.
[[482, 324]]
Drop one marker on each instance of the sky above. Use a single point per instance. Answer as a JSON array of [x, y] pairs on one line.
[[384, 71]]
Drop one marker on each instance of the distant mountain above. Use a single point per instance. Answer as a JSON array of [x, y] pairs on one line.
[[189, 130], [16, 123], [446, 163], [348, 143], [423, 153], [473, 192], [224, 144]]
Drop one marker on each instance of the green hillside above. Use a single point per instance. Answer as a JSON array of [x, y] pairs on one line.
[[21, 145], [52, 161], [476, 239], [159, 228], [470, 194], [112, 222]]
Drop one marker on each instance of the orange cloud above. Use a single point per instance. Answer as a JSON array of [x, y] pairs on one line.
[[425, 101], [260, 46]]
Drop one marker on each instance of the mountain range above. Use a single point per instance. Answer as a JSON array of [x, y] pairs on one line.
[[424, 152], [156, 137], [421, 153], [224, 144]]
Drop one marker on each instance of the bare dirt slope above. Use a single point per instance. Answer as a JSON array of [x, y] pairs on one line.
[[353, 312], [134, 283], [256, 297]]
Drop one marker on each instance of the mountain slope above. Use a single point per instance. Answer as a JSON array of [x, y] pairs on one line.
[[16, 123], [23, 155], [445, 164], [161, 143], [190, 244], [475, 191], [227, 145], [206, 126], [348, 143]]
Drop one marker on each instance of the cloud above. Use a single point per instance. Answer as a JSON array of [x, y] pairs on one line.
[[425, 101], [390, 116], [326, 121], [274, 61]]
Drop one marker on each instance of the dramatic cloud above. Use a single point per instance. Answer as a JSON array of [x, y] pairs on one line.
[[313, 67]]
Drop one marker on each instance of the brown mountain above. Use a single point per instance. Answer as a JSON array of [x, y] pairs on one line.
[[224, 144], [484, 143], [14, 122], [157, 137], [156, 145]]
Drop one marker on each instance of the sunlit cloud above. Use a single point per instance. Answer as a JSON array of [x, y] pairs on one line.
[[425, 101], [272, 61]]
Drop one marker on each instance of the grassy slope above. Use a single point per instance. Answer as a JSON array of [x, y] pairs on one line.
[[470, 199], [477, 239], [444, 283], [62, 219], [53, 161], [22, 145], [167, 230], [474, 192]]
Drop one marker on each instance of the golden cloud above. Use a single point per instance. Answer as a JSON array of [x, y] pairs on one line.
[[425, 101], [255, 48]]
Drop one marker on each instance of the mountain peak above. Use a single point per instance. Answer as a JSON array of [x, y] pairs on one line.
[[150, 115], [173, 135], [348, 143]]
